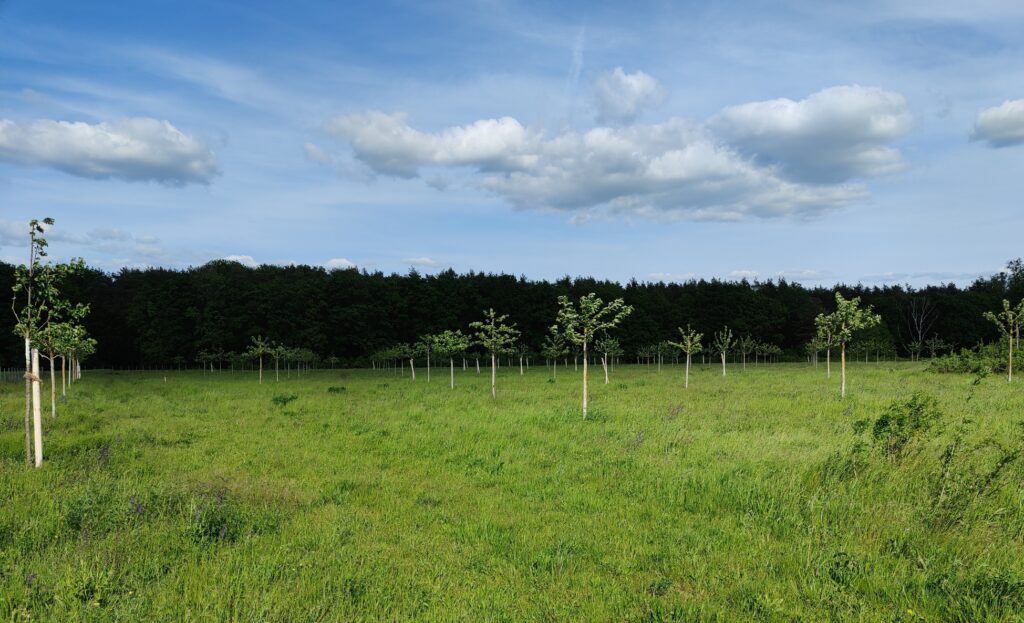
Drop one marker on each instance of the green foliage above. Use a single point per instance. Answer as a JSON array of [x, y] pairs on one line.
[[723, 342], [902, 422], [690, 342], [581, 322], [493, 334], [984, 359]]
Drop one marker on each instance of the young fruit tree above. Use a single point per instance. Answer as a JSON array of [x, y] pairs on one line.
[[746, 345], [581, 323], [449, 344], [847, 319], [495, 337], [1009, 322], [425, 345], [827, 340], [689, 343], [258, 349], [554, 348], [722, 344], [609, 348]]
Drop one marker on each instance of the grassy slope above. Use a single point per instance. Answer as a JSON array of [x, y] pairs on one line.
[[199, 498]]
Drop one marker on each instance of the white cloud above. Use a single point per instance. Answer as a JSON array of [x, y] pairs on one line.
[[833, 135], [1001, 126], [134, 149], [316, 154], [744, 274], [764, 159], [244, 260], [672, 277], [339, 263], [427, 262], [805, 274], [620, 97], [388, 145]]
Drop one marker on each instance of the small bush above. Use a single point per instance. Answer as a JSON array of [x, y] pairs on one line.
[[903, 421], [982, 360], [283, 399]]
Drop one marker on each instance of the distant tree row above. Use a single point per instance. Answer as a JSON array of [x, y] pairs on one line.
[[204, 315]]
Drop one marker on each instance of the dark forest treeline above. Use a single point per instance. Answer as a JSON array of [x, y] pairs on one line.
[[158, 316]]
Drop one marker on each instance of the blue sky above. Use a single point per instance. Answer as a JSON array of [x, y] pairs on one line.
[[879, 143]]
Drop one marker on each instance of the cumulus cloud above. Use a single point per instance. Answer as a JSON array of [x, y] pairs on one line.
[[620, 97], [1001, 126], [134, 149], [833, 135], [339, 263], [763, 159], [244, 260]]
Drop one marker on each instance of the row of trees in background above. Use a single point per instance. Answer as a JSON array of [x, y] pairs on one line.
[[168, 318], [50, 326]]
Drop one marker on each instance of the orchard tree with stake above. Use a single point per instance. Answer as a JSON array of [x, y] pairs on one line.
[[609, 348], [1009, 322], [723, 344], [581, 323], [258, 349], [847, 319], [553, 348], [827, 339], [495, 337], [689, 343], [449, 344]]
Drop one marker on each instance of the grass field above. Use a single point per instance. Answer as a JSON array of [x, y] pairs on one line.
[[369, 497]]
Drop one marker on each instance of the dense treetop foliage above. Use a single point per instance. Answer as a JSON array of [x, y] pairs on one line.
[[157, 316]]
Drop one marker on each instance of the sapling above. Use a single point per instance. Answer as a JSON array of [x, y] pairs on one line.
[[723, 343], [847, 319], [450, 344], [258, 349], [609, 348], [495, 337], [1009, 322], [553, 348], [689, 343], [581, 323], [746, 345], [827, 339]]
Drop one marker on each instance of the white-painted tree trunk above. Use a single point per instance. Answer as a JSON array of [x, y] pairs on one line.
[[37, 415], [494, 370], [478, 365], [28, 402], [686, 383], [842, 369], [604, 364], [63, 378], [428, 367], [585, 380], [520, 366], [723, 364], [451, 363], [412, 369], [828, 363], [53, 389]]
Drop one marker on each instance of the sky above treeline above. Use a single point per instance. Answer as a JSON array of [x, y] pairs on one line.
[[876, 142]]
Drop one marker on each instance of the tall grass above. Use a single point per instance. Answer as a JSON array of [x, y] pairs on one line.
[[366, 496]]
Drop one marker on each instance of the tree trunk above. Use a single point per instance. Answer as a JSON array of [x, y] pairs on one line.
[[451, 362], [723, 364], [828, 363], [428, 367], [842, 371], [520, 366], [1009, 364], [686, 383], [494, 370], [63, 381], [604, 364], [412, 369], [584, 380], [37, 416], [478, 365], [28, 402], [261, 370]]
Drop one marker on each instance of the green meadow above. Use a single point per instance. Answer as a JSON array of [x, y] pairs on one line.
[[359, 495]]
